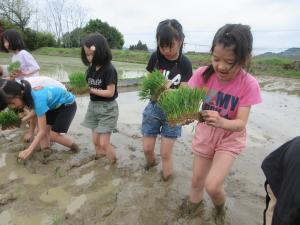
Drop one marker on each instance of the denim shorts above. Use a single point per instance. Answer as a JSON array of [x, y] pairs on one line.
[[155, 122]]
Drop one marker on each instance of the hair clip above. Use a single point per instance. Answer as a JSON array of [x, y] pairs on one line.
[[93, 48]]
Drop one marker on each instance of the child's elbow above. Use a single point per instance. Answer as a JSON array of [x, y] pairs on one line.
[[241, 126]]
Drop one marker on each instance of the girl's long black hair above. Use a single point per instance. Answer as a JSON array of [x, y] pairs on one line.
[[102, 54], [166, 32], [14, 39], [237, 36], [10, 89]]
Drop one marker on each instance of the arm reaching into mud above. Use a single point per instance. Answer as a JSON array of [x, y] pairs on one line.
[[40, 135]]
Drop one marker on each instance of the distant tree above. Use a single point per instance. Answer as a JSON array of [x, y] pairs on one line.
[[139, 46], [35, 40], [114, 37], [17, 12], [72, 39], [62, 17]]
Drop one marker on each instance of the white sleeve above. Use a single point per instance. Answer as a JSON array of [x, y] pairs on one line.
[[29, 62]]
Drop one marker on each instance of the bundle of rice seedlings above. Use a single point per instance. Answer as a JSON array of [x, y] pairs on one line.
[[153, 86], [182, 105], [78, 83], [9, 118], [14, 66]]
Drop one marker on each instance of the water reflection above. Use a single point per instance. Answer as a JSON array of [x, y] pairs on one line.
[[125, 71]]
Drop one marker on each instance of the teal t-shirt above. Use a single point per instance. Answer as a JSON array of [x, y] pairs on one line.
[[50, 97]]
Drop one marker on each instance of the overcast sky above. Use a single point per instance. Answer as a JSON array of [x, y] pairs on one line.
[[275, 23]]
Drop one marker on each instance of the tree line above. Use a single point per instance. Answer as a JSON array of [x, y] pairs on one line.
[[62, 23]]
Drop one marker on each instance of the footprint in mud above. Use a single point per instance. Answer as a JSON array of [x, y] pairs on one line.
[[7, 198], [131, 148]]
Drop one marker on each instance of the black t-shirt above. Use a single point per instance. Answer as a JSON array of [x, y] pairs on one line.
[[100, 79], [282, 171], [176, 70]]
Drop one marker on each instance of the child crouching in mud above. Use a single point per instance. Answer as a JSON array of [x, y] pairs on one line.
[[54, 107]]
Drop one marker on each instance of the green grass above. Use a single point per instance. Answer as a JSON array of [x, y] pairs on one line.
[[274, 66], [56, 221], [54, 60], [14, 66], [9, 118], [66, 52], [152, 87], [77, 83], [182, 105]]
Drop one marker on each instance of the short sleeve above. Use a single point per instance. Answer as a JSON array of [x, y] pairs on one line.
[[111, 76], [197, 78], [187, 70], [40, 102], [30, 62], [251, 93]]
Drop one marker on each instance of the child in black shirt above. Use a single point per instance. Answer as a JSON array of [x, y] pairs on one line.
[[102, 113], [176, 68]]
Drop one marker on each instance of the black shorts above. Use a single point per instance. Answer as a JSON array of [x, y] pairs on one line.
[[60, 119]]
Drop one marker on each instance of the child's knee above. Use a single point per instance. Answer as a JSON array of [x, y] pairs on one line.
[[53, 134], [165, 155], [213, 187], [197, 182], [104, 146]]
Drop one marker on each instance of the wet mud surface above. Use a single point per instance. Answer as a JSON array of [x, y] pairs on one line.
[[75, 189]]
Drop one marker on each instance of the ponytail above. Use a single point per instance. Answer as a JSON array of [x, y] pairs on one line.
[[12, 89], [27, 98]]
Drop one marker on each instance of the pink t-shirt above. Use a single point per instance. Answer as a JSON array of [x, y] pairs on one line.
[[227, 97]]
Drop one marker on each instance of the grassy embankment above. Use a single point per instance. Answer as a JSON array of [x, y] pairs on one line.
[[274, 66], [49, 58]]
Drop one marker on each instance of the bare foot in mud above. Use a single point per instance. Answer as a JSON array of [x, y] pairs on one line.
[[220, 216], [149, 165], [165, 178], [190, 209], [113, 161], [47, 152], [99, 156]]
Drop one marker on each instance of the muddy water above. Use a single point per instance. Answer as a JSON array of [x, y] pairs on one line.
[[74, 189], [60, 68]]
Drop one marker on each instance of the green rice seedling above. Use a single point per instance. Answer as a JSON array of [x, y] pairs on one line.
[[181, 106], [153, 86], [56, 221], [9, 118], [14, 66], [78, 83]]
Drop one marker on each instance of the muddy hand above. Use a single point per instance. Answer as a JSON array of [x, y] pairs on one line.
[[24, 154], [16, 73]]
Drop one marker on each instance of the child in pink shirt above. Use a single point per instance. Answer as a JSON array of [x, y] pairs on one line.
[[231, 92]]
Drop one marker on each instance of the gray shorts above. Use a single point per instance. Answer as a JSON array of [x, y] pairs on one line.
[[101, 116]]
